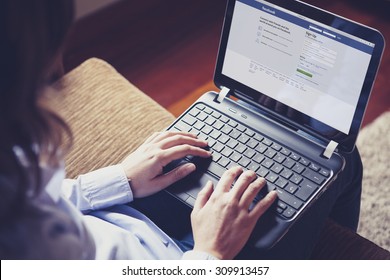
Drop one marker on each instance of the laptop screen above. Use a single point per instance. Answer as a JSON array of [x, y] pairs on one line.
[[298, 66]]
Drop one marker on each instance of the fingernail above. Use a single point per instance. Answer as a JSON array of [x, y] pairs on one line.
[[191, 167]]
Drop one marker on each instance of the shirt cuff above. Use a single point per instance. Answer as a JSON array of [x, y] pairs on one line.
[[198, 255], [106, 187]]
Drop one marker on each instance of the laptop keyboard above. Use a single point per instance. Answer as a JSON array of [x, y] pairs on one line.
[[294, 177]]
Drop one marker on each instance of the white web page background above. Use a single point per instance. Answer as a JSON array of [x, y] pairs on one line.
[[305, 70]]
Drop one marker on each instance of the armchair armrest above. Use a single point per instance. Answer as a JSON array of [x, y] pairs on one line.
[[109, 117]]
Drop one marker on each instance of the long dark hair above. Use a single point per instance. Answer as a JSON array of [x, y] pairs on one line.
[[32, 35]]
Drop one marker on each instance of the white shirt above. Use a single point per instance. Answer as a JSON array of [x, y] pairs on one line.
[[119, 232]]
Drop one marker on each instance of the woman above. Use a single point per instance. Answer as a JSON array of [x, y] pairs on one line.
[[32, 209], [43, 216]]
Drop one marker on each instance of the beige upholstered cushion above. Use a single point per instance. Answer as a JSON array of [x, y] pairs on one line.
[[109, 116]]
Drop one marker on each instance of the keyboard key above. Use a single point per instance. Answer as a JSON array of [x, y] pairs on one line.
[[249, 132], [218, 125], [215, 134], [195, 131], [304, 161], [216, 115], [252, 143], [227, 152], [216, 169], [286, 173], [202, 136], [267, 142], [276, 147], [267, 163], [279, 158], [235, 134], [226, 129], [182, 126], [194, 112], [314, 167], [296, 179], [210, 121], [289, 199], [313, 176], [288, 213], [216, 157], [258, 137], [272, 177], [243, 138], [253, 166], [211, 142], [241, 148], [306, 190], [277, 168], [224, 119], [281, 204], [270, 153], [202, 116], [199, 125], [324, 172], [232, 123], [200, 107], [191, 200], [189, 120], [208, 111], [249, 153], [258, 158], [207, 129], [235, 157], [285, 152], [223, 139], [244, 162], [281, 182], [223, 162], [294, 156], [289, 163], [262, 172], [298, 168], [218, 147], [241, 128], [232, 143], [261, 148], [291, 188]]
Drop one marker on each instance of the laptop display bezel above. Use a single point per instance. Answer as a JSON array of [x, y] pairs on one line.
[[302, 121]]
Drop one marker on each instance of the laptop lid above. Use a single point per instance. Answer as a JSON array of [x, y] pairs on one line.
[[299, 64]]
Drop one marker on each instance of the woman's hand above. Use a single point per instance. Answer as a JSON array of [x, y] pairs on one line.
[[221, 221], [144, 167]]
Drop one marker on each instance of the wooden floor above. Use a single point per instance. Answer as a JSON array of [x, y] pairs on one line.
[[168, 48]]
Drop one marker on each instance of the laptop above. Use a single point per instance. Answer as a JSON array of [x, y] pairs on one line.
[[295, 81]]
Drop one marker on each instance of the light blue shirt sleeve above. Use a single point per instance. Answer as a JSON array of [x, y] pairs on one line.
[[98, 189]]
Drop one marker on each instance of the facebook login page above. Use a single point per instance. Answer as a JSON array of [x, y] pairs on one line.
[[312, 68]]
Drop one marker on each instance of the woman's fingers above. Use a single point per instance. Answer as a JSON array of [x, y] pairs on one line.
[[178, 152], [242, 183], [161, 136], [263, 205], [203, 197], [167, 179], [180, 139], [227, 179]]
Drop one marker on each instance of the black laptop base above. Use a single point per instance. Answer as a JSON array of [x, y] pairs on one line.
[[252, 141]]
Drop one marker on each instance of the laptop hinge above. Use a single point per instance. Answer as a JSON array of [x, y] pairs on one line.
[[329, 150], [222, 94]]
